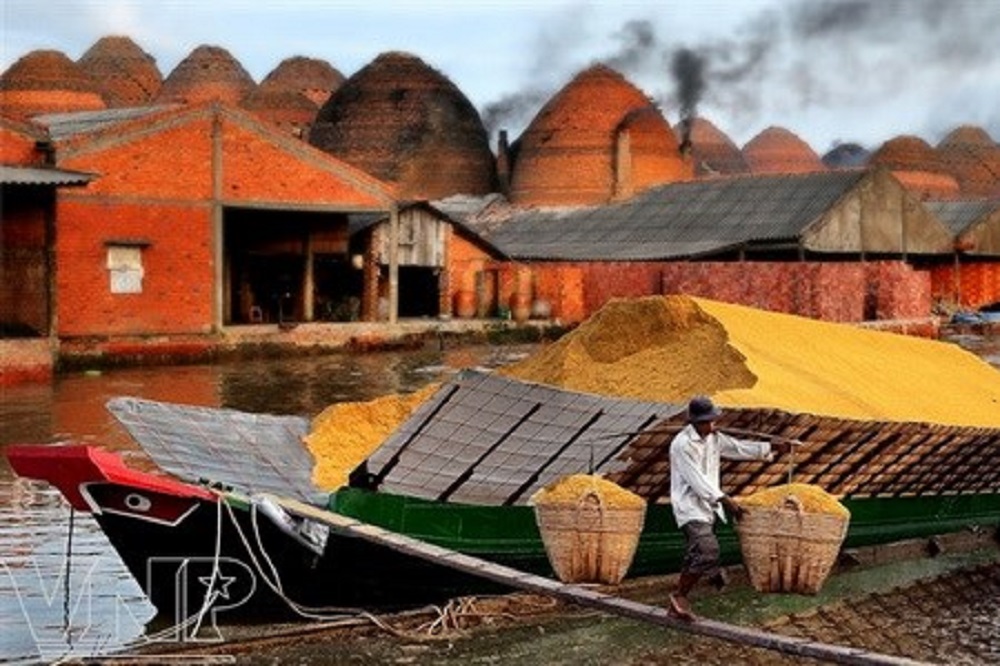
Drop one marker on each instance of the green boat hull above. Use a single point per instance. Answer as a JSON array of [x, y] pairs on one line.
[[510, 535]]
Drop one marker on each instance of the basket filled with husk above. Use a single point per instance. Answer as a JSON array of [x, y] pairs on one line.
[[790, 537], [590, 528]]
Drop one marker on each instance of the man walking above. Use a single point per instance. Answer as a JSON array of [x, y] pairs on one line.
[[696, 498]]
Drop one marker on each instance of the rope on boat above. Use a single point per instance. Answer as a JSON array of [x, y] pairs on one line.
[[797, 646], [451, 619]]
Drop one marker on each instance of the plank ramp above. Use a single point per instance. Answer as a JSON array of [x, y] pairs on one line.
[[586, 596]]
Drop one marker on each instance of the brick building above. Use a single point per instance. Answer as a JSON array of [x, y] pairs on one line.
[[198, 217]]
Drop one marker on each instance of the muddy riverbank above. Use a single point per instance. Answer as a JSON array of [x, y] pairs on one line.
[[895, 600]]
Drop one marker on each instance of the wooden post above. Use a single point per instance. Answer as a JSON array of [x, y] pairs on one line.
[[217, 221], [308, 280], [393, 263]]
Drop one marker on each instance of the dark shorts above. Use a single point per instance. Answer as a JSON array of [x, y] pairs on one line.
[[701, 554]]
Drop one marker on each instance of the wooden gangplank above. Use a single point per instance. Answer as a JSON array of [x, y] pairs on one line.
[[585, 596]]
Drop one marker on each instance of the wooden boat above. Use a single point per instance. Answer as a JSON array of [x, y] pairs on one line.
[[459, 474]]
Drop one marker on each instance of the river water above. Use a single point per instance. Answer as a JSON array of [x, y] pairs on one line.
[[53, 606]]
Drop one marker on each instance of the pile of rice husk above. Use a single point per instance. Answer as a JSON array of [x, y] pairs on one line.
[[344, 434], [669, 348], [812, 499], [570, 489]]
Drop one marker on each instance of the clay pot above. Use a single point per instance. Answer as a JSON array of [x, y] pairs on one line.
[[465, 304], [520, 307], [541, 309]]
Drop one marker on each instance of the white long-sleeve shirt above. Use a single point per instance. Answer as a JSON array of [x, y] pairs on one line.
[[694, 471]]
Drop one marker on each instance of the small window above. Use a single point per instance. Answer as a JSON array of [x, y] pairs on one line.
[[125, 269]]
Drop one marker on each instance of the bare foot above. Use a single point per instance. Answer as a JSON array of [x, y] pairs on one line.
[[680, 608]]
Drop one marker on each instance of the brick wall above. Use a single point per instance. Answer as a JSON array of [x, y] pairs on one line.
[[844, 292], [972, 285], [178, 268], [18, 148]]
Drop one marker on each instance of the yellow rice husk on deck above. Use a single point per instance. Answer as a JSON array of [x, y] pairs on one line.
[[672, 347], [570, 489], [812, 498], [344, 434]]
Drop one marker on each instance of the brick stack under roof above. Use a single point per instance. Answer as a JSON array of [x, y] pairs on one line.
[[316, 79], [917, 166], [208, 73], [971, 155], [778, 150], [124, 73], [46, 81], [712, 151], [566, 156], [406, 123]]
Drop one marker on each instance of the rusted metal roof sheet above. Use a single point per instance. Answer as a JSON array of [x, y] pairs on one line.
[[960, 215], [39, 176], [677, 220], [847, 458]]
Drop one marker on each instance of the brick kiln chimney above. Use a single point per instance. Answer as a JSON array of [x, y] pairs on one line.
[[686, 145], [503, 163]]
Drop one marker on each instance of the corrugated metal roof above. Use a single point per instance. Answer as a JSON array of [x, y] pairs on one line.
[[676, 220], [14, 175], [960, 215], [64, 125]]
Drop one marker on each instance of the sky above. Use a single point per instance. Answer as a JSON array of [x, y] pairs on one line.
[[832, 71]]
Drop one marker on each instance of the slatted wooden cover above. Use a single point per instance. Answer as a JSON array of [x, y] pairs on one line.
[[845, 457]]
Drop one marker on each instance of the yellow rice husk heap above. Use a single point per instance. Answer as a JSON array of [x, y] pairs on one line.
[[569, 489], [344, 434], [668, 348], [812, 499]]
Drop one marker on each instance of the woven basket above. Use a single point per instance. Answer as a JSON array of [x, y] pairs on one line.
[[788, 550], [589, 542]]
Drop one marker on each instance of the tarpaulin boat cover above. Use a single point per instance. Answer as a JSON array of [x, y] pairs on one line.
[[251, 453], [488, 439]]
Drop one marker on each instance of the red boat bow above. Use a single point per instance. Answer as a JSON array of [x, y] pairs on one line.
[[69, 467]]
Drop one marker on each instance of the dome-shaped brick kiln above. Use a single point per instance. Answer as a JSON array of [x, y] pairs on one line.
[[712, 151], [125, 74], [778, 150], [917, 166], [406, 123], [46, 81], [208, 73], [973, 157], [597, 139], [316, 79]]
